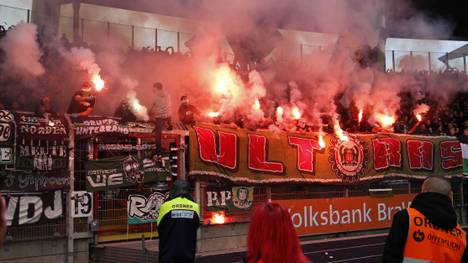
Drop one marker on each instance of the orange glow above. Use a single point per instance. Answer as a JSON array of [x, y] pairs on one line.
[[419, 110], [386, 121], [213, 114], [296, 113], [279, 113], [98, 82], [218, 218], [418, 117], [321, 141], [361, 112], [256, 105], [225, 82], [339, 132]]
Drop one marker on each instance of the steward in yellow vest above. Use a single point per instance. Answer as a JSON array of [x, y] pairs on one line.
[[178, 221], [428, 230]]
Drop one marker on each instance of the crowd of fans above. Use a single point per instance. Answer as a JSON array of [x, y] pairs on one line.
[[445, 117]]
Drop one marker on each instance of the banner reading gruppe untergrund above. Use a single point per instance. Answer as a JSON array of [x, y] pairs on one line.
[[242, 155], [333, 215], [38, 208], [142, 209], [92, 126], [117, 172]]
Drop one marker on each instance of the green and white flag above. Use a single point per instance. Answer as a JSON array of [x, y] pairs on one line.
[[464, 147]]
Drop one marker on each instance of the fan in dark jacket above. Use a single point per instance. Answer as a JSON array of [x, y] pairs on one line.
[[435, 203]]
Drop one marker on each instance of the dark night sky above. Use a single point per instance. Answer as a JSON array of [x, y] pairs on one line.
[[454, 11]]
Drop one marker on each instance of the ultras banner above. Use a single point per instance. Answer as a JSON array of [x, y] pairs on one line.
[[261, 156], [117, 172]]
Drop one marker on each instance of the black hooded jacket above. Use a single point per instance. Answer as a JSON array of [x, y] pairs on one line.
[[436, 207]]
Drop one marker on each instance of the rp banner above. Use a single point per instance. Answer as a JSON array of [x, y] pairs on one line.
[[261, 156]]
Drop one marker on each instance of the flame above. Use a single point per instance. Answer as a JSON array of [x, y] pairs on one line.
[[419, 110], [279, 113], [296, 113], [386, 121], [361, 112], [213, 114], [256, 105], [321, 141], [218, 218], [418, 117], [98, 82], [51, 123], [225, 82], [339, 132]]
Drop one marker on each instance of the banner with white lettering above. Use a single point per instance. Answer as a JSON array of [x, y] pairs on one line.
[[121, 171], [7, 137], [41, 143], [81, 204], [30, 181], [144, 209], [39, 208], [333, 215], [229, 198], [241, 155], [91, 126]]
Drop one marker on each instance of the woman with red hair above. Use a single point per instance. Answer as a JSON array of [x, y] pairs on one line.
[[272, 238]]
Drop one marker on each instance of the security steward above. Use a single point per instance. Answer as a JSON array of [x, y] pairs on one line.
[[428, 230], [178, 221]]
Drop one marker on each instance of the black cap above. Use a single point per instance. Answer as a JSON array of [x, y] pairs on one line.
[[181, 189]]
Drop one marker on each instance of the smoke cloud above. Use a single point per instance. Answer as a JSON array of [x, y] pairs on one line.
[[22, 51]]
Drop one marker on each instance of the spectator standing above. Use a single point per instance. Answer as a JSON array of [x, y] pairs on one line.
[[431, 214], [187, 112], [178, 221], [82, 102], [45, 107], [272, 237], [161, 111]]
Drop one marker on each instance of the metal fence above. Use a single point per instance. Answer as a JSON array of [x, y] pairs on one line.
[[95, 32], [11, 16]]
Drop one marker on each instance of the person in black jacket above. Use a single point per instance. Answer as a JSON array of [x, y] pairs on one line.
[[178, 221], [434, 205]]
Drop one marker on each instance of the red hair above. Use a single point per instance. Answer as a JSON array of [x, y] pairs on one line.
[[272, 237]]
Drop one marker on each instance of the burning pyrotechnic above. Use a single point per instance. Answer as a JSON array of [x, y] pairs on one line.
[[135, 106], [97, 81], [279, 113], [338, 131], [212, 114], [218, 218], [256, 105], [321, 140], [385, 121], [296, 113], [226, 83], [361, 112], [419, 110]]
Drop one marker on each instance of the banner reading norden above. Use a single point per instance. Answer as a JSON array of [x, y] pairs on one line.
[[241, 155], [333, 215]]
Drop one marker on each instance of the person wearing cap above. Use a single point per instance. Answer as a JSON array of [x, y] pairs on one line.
[[178, 221], [82, 102], [187, 111]]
